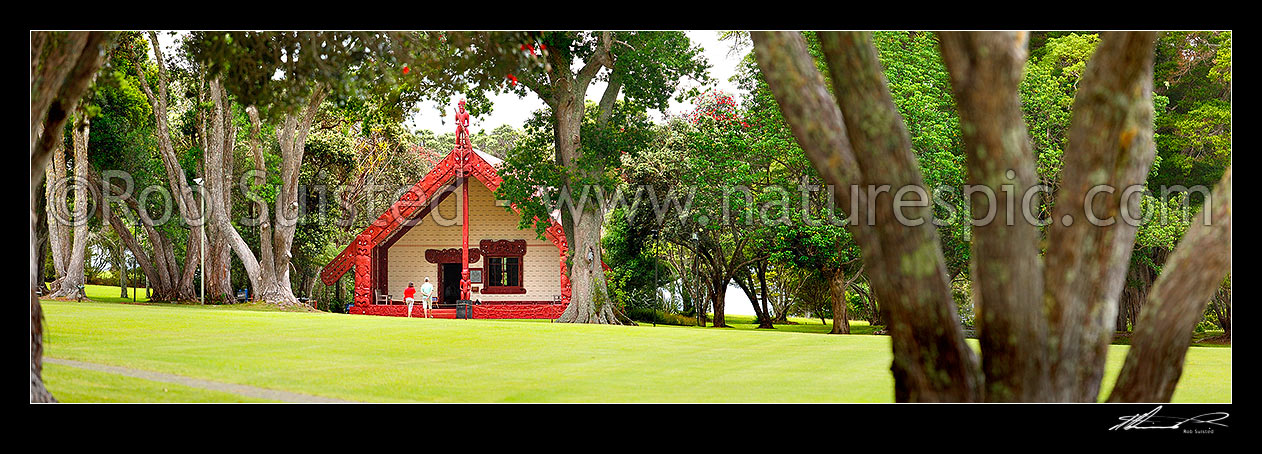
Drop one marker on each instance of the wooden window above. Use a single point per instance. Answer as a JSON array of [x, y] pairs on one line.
[[503, 268], [505, 272]]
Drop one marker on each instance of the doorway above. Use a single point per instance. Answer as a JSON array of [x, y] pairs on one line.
[[450, 283]]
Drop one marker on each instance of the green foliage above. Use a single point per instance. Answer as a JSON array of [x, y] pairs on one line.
[[365, 71], [633, 267], [651, 64], [1047, 95], [534, 180], [660, 317], [1193, 71], [921, 88]]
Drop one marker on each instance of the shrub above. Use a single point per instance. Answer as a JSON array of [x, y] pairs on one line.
[[646, 315]]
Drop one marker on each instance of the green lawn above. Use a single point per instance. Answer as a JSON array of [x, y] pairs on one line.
[[111, 293], [72, 384], [386, 359]]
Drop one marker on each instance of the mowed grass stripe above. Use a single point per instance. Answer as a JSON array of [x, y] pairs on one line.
[[187, 382], [387, 359]]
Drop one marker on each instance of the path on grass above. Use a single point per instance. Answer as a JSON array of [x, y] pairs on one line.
[[248, 391]]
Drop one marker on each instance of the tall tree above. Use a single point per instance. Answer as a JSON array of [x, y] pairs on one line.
[[1109, 143], [63, 65], [181, 189], [55, 192], [72, 280], [646, 67]]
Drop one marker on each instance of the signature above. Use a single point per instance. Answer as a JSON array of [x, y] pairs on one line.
[[1150, 420]]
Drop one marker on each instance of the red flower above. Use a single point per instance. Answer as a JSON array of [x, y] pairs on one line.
[[405, 69], [513, 79]]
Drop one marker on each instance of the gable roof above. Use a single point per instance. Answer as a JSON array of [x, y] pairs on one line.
[[411, 203]]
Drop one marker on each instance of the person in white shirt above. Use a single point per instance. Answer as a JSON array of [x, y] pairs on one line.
[[427, 292]]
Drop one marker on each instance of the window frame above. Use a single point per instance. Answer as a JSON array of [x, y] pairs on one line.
[[503, 249]]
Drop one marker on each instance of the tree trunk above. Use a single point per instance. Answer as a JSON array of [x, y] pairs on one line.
[[908, 273], [159, 273], [57, 213], [986, 69], [72, 282], [718, 298], [122, 271], [38, 392], [41, 251], [1110, 144], [760, 311], [1177, 303], [189, 208], [269, 273], [837, 294], [1222, 308], [1139, 280], [219, 137], [931, 361], [589, 295], [62, 67], [764, 318]]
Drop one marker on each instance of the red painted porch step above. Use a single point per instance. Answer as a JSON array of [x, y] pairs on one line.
[[435, 313]]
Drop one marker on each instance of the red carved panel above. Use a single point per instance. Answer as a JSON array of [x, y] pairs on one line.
[[505, 310], [502, 290], [518, 311], [500, 248], [451, 255]]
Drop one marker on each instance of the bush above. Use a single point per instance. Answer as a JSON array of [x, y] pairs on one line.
[[646, 315]]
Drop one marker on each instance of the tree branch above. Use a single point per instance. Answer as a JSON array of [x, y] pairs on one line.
[[1175, 305], [1110, 144], [985, 69], [922, 311]]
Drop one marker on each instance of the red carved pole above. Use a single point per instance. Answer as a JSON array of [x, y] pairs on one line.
[[462, 142], [363, 270]]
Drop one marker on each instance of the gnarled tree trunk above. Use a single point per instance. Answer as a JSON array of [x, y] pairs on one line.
[[931, 360], [986, 71], [62, 67], [269, 273], [837, 294], [589, 292], [55, 206], [71, 283], [1110, 144], [218, 134], [189, 208], [159, 266]]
